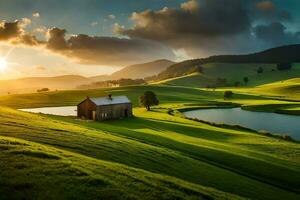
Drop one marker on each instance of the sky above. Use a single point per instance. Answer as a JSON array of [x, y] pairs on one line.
[[93, 37]]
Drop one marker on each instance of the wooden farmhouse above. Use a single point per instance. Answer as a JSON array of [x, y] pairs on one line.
[[105, 108]]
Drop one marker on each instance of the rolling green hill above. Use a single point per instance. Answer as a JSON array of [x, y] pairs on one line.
[[176, 158], [153, 155], [284, 54], [234, 73]]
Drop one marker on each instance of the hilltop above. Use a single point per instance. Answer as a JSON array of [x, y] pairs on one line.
[[137, 71], [284, 54], [232, 75]]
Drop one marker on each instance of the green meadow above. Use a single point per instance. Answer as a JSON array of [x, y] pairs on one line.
[[234, 73], [154, 155]]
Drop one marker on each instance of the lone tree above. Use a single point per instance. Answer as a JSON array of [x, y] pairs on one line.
[[228, 94], [148, 99], [246, 80]]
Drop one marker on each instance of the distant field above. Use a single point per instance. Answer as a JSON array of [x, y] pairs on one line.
[[234, 73]]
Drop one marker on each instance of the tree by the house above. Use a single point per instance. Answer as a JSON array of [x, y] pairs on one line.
[[148, 99], [246, 80]]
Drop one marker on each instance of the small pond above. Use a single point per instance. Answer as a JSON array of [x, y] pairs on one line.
[[62, 111], [271, 122]]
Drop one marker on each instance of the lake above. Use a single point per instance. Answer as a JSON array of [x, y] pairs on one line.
[[62, 111], [271, 122]]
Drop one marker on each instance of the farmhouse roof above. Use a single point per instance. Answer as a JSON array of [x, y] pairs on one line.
[[109, 101]]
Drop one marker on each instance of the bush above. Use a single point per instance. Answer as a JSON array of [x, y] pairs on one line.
[[260, 70], [228, 94]]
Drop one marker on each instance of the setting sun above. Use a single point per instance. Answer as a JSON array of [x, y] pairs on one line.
[[3, 64]]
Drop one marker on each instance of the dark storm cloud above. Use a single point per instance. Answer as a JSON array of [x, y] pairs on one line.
[[14, 32], [212, 18], [269, 11], [57, 39], [276, 34], [88, 49], [206, 27], [105, 50], [201, 28]]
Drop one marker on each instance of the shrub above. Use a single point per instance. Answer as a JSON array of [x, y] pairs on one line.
[[228, 94], [260, 70]]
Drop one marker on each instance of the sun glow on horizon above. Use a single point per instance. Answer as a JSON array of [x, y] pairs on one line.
[[3, 64]]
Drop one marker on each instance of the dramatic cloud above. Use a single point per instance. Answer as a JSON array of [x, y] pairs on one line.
[[14, 32], [105, 50], [195, 29], [275, 34], [86, 49], [9, 30], [268, 11], [213, 18], [194, 26], [205, 27], [190, 6]]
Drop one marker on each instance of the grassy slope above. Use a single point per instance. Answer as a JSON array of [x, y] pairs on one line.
[[73, 97], [233, 73], [65, 160], [126, 157], [193, 155], [286, 88]]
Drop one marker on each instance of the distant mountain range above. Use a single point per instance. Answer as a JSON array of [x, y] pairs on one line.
[[137, 71], [32, 84], [162, 69]]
